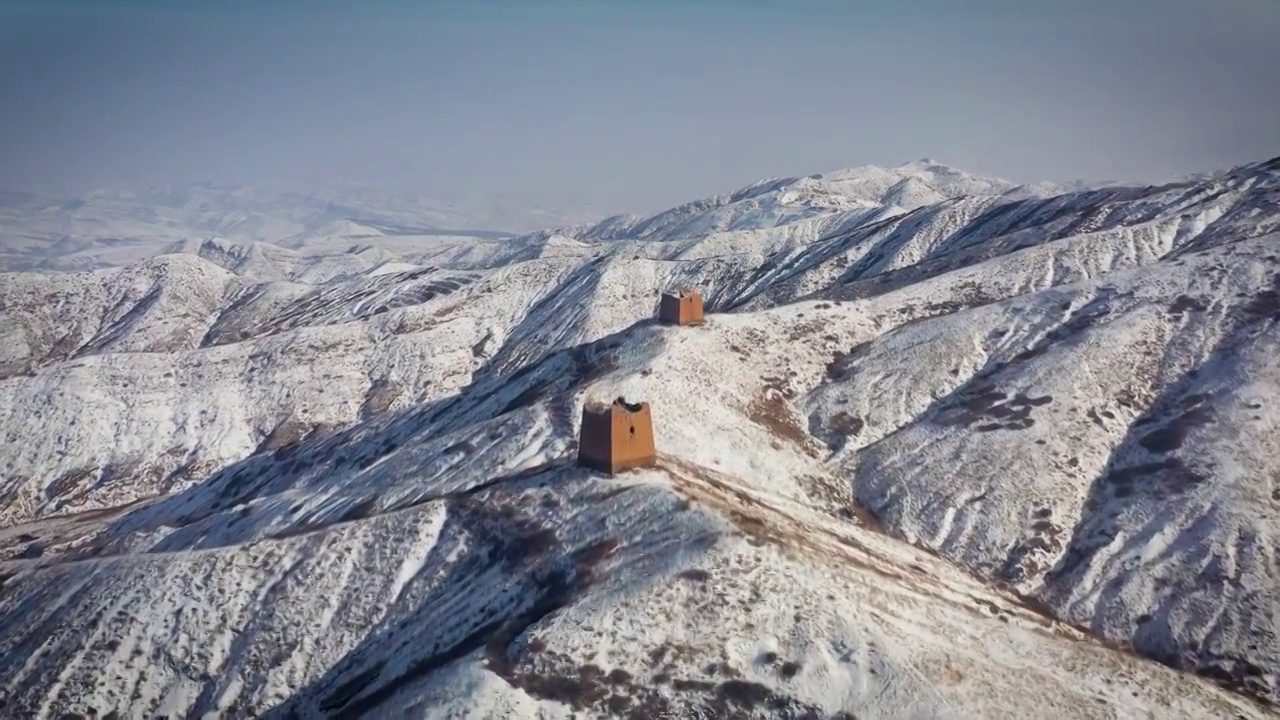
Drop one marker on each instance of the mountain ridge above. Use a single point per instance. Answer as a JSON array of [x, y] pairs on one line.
[[270, 486]]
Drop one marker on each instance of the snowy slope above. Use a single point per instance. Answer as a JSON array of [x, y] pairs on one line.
[[986, 454], [870, 191]]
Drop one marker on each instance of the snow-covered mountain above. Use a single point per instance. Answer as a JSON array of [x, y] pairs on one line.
[[946, 447], [841, 198], [118, 226], [272, 233]]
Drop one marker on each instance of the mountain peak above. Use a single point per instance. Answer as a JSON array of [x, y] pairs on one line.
[[928, 164]]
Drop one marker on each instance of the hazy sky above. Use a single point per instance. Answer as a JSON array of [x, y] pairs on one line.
[[628, 105]]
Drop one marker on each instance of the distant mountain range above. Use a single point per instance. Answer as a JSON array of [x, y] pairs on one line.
[[119, 226]]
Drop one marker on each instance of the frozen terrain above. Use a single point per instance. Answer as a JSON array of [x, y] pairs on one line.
[[263, 232], [946, 447]]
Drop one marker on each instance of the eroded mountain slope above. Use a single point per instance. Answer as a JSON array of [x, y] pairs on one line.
[[451, 560], [357, 497]]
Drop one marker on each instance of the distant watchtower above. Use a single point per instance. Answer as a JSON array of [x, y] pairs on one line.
[[616, 437], [681, 308]]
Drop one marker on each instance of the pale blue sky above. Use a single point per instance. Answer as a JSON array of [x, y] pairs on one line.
[[628, 105]]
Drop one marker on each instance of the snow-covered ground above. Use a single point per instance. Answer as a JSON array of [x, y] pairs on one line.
[[946, 447]]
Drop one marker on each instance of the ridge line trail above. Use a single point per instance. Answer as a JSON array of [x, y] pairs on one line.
[[913, 572], [916, 576]]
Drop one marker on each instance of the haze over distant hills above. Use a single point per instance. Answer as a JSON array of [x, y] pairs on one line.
[[119, 225], [948, 446], [338, 230]]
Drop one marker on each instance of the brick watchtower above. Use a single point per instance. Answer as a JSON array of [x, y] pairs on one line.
[[681, 308], [616, 437]]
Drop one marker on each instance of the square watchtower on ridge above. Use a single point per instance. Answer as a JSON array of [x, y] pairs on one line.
[[616, 437], [681, 308]]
